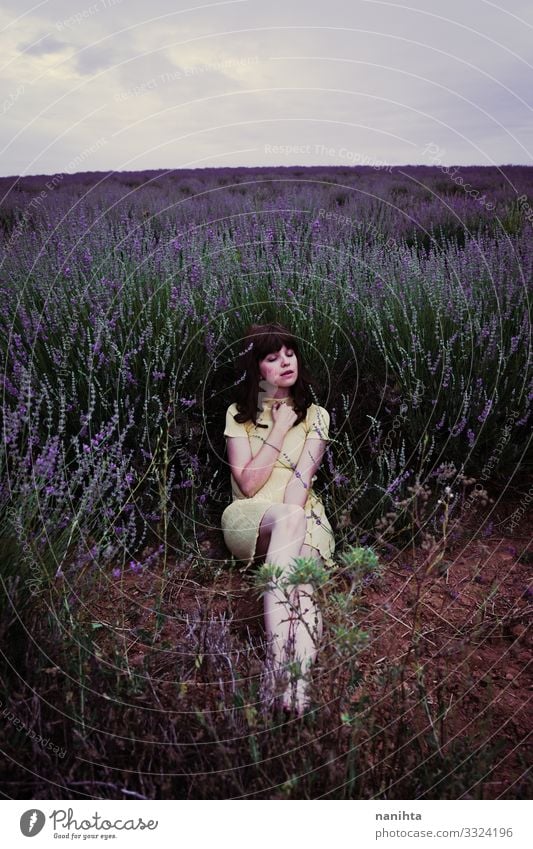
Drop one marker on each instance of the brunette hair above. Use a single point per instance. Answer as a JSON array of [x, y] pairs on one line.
[[259, 341]]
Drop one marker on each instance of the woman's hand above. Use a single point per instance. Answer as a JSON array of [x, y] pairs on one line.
[[283, 416]]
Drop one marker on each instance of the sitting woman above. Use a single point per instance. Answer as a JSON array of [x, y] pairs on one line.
[[276, 438]]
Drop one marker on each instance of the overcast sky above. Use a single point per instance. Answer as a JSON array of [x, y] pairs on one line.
[[90, 85]]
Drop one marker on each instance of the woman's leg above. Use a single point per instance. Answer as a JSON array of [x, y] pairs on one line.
[[310, 625], [307, 635], [294, 626], [281, 535]]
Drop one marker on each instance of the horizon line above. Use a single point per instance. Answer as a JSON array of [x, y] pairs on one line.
[[366, 167]]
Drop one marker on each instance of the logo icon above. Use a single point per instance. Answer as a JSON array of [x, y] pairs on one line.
[[32, 822]]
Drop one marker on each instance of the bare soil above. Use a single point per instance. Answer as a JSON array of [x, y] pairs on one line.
[[472, 614]]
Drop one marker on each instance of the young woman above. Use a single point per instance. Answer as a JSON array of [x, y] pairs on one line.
[[276, 438]]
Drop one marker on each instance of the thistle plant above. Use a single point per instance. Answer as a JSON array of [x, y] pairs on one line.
[[359, 564]]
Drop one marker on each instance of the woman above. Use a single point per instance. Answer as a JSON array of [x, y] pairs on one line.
[[276, 438]]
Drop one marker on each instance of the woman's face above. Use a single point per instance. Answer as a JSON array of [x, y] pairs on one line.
[[280, 368]]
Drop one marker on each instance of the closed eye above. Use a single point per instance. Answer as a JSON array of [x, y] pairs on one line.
[[273, 358]]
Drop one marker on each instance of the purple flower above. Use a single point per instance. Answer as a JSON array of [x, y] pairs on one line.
[[486, 411], [488, 530], [397, 481], [457, 429], [339, 479]]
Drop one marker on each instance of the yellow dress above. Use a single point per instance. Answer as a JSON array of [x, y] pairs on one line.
[[241, 519]]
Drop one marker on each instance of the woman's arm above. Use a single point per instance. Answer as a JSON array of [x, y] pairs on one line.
[[298, 487], [251, 473]]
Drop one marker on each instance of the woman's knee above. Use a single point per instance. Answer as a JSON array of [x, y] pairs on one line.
[[288, 516], [309, 552]]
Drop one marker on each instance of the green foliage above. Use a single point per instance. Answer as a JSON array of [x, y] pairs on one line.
[[359, 564]]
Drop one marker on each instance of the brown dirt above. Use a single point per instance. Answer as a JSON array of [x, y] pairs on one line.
[[474, 614]]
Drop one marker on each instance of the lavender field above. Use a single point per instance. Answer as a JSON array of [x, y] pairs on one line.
[[124, 298]]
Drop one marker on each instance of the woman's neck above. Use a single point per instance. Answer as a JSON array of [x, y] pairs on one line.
[[270, 390], [269, 399]]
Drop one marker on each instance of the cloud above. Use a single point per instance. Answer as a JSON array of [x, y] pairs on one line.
[[44, 45], [164, 85], [95, 59]]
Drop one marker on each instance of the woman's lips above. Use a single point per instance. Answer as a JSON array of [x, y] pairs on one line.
[[286, 373]]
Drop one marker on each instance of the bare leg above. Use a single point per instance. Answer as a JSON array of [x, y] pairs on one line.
[[282, 531], [294, 626], [308, 629], [307, 638]]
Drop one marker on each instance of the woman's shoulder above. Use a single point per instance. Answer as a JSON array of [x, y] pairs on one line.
[[317, 421], [316, 410], [234, 428]]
